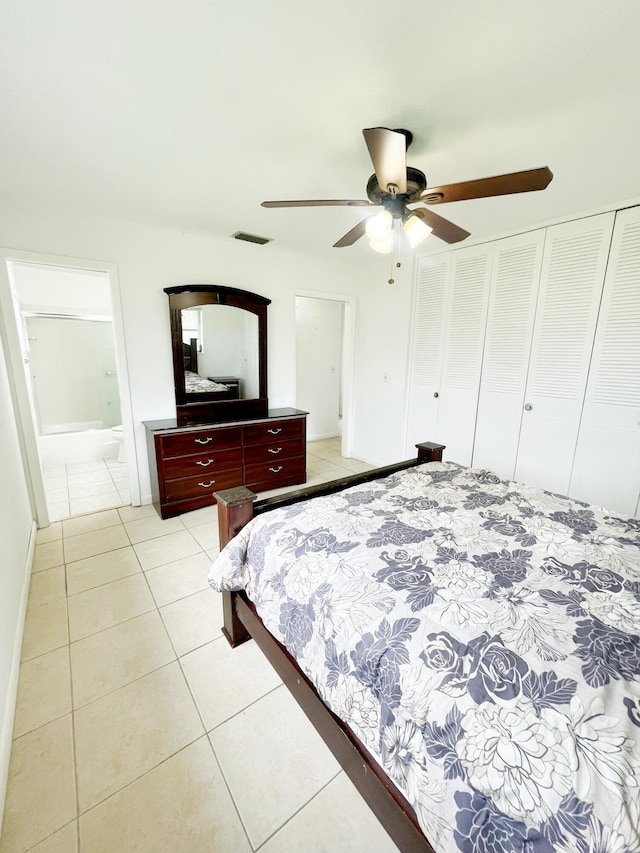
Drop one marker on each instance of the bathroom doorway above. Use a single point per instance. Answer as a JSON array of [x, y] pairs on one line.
[[67, 341]]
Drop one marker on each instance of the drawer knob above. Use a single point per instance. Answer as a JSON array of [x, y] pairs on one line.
[[276, 470], [203, 440], [207, 485], [205, 464], [277, 450], [275, 431]]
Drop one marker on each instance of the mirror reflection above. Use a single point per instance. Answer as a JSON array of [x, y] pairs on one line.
[[221, 351]]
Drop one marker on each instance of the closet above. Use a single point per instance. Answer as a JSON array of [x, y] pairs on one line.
[[606, 469], [551, 363], [450, 316]]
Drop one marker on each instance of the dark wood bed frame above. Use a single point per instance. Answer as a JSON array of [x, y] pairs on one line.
[[238, 506], [190, 354]]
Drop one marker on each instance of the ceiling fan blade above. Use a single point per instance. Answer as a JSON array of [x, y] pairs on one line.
[[351, 236], [322, 202], [388, 152], [514, 182], [440, 226]]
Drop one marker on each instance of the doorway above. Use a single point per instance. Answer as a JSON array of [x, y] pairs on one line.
[[320, 374], [70, 386]]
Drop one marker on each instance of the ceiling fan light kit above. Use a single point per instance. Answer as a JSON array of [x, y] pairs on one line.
[[416, 229], [380, 226], [394, 186]]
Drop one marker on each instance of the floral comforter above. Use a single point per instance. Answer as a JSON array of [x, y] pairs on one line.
[[194, 383], [480, 637]]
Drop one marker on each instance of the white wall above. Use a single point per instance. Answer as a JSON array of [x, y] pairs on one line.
[[62, 291], [149, 259], [16, 532]]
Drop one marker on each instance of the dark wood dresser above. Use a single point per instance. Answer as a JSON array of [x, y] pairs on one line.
[[188, 463]]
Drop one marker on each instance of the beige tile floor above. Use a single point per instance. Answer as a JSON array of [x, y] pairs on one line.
[[139, 729], [76, 487]]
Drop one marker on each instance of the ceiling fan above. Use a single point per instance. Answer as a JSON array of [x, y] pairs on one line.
[[394, 186]]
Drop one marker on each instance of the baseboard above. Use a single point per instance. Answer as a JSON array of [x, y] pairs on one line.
[[8, 712], [322, 436]]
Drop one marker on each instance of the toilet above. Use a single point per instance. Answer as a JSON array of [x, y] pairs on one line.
[[118, 435]]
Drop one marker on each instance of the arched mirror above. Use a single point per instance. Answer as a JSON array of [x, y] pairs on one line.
[[219, 344]]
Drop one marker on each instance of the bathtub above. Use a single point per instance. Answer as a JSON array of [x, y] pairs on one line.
[[87, 446]]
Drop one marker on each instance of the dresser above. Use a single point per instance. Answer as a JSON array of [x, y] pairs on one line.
[[188, 463]]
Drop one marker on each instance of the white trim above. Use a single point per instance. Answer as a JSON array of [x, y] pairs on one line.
[[348, 357], [17, 377], [9, 710], [24, 416]]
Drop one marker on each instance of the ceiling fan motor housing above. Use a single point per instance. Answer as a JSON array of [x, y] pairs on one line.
[[395, 204]]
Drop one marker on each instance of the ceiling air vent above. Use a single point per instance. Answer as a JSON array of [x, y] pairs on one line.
[[251, 238]]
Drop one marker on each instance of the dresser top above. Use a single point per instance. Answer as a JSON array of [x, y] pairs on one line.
[[272, 415]]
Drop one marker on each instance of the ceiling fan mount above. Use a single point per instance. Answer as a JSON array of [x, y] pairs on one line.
[[394, 186], [416, 184]]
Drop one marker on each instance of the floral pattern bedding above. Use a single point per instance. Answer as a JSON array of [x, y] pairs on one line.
[[482, 640], [195, 383]]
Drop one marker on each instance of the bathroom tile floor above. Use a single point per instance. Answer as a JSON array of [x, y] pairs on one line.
[[74, 488], [139, 729]]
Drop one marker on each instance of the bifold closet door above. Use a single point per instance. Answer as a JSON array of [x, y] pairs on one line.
[[451, 308], [606, 470], [512, 306], [573, 269]]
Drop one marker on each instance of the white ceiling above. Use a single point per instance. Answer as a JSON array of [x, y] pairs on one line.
[[189, 114]]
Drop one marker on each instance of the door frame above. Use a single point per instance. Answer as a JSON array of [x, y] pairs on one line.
[[18, 381], [348, 357]]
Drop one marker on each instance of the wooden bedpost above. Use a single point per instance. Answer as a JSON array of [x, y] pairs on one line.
[[430, 452], [235, 509]]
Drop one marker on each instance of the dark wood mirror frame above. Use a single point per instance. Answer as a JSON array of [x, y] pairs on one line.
[[202, 407]]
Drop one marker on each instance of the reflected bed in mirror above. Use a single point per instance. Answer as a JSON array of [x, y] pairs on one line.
[[219, 342]]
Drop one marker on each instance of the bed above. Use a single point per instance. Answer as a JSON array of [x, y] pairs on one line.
[[196, 384], [468, 647]]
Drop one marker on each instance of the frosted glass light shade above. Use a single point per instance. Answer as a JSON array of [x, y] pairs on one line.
[[380, 226], [416, 229], [384, 246]]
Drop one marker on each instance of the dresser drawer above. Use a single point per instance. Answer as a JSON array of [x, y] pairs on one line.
[[204, 484], [204, 463], [273, 452], [199, 441], [270, 431], [285, 472]]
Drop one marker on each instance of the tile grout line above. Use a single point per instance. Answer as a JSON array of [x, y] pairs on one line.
[[303, 806], [156, 608]]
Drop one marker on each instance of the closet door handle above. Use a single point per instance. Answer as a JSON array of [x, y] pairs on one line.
[[205, 464], [203, 440], [274, 431], [276, 470], [436, 395], [207, 485], [277, 450], [528, 407]]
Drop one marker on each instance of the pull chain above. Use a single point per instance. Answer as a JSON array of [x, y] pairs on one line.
[[395, 264]]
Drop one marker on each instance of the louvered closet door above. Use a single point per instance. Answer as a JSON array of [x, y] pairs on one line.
[[427, 351], [571, 282], [466, 318], [512, 305], [606, 470]]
